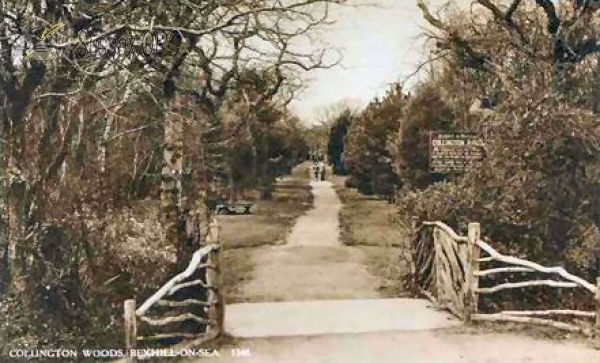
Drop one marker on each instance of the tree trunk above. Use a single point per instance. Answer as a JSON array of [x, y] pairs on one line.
[[11, 207], [4, 231], [4, 263], [254, 173], [171, 193], [182, 220], [266, 176], [231, 186], [266, 193]]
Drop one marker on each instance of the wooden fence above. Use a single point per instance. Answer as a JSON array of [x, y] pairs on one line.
[[446, 268], [203, 275]]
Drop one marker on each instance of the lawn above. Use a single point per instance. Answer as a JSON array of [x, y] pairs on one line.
[[372, 225], [269, 224]]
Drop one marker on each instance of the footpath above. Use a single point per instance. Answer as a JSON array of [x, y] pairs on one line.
[[313, 301]]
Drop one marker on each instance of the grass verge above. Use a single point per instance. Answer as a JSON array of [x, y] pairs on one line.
[[269, 224], [372, 225]]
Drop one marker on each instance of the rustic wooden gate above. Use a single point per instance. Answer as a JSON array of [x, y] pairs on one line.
[[164, 313], [442, 260], [446, 269]]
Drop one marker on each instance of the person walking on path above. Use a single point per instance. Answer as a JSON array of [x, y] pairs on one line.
[[315, 171], [321, 168]]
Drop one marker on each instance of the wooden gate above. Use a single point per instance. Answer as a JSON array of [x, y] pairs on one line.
[[163, 313], [446, 269], [441, 262]]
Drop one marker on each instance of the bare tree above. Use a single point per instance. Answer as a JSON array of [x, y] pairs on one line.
[[212, 41]]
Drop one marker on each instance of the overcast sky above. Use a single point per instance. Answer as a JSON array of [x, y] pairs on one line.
[[379, 46]]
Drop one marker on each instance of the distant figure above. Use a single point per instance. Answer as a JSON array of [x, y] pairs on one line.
[[315, 170], [321, 168]]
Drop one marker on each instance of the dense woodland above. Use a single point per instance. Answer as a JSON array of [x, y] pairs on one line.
[[524, 75], [115, 152]]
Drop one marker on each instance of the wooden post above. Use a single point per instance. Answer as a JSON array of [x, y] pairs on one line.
[[211, 298], [130, 325], [598, 306], [220, 308], [215, 231], [414, 224], [412, 253], [219, 292], [217, 307], [440, 294], [471, 280]]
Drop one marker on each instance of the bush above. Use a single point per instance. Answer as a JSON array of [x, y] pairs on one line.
[[426, 111], [539, 207], [367, 154], [337, 140]]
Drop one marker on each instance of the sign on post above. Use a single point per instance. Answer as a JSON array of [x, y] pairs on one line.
[[454, 151]]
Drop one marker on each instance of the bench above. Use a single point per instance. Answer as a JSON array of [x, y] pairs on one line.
[[233, 208]]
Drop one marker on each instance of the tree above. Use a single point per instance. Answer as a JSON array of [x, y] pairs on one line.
[[316, 137], [536, 191], [426, 111], [268, 138], [337, 136], [367, 151], [87, 136]]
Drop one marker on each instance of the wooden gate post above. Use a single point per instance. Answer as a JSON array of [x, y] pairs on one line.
[[598, 306], [471, 279], [215, 231], [439, 294], [412, 253], [219, 281], [130, 326], [216, 310]]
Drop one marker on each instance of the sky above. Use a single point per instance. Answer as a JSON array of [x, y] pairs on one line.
[[380, 46]]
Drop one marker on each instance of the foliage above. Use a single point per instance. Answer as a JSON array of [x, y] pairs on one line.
[[337, 139], [536, 193], [317, 136], [426, 111], [89, 143], [265, 139], [367, 153]]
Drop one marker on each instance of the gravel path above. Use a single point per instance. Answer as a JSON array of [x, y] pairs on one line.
[[313, 265], [313, 269]]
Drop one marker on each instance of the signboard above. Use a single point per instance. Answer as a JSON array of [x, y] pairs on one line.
[[454, 151]]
